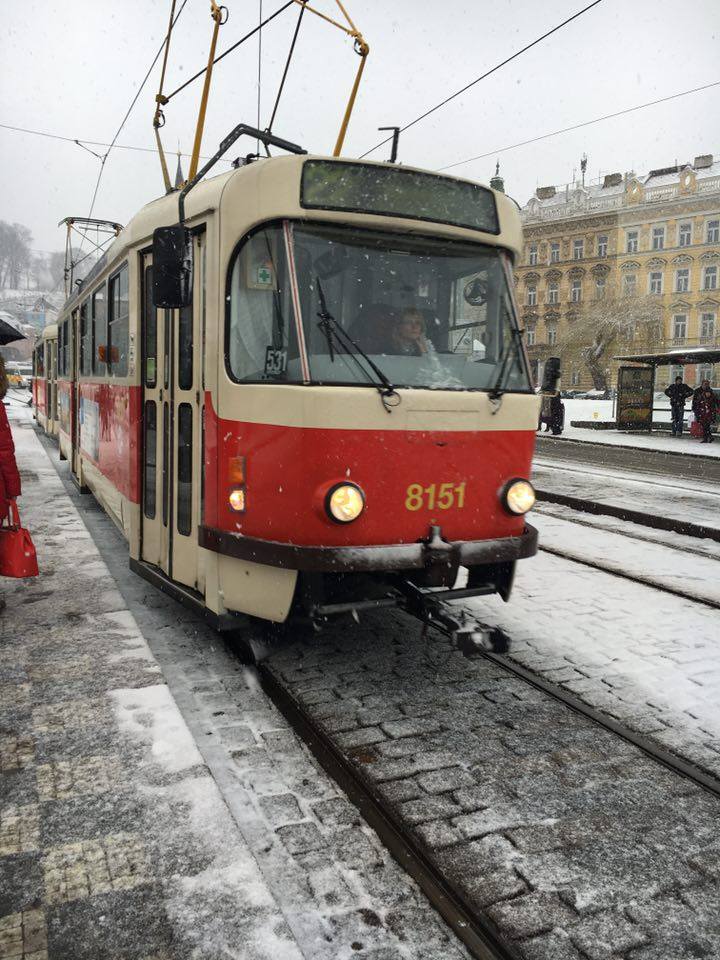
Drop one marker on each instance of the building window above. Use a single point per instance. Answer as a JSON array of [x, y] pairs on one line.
[[530, 336], [710, 278], [533, 254], [554, 253], [704, 372], [552, 335], [575, 378], [576, 291], [656, 282], [679, 326], [713, 231], [553, 293], [630, 285], [658, 238], [682, 281], [578, 248], [684, 234], [602, 244], [600, 288], [531, 296], [707, 326], [632, 241]]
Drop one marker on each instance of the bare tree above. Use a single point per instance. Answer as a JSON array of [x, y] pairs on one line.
[[601, 325], [15, 254]]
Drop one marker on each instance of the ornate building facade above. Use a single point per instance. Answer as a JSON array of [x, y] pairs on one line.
[[626, 265]]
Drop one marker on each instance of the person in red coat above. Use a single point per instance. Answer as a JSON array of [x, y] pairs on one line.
[[9, 476], [705, 407]]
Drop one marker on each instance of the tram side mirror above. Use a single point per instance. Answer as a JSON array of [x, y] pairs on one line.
[[172, 267], [551, 375]]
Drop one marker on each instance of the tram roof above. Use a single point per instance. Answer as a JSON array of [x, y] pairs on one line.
[[671, 357], [268, 180]]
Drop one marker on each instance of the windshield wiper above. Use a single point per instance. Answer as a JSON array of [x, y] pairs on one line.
[[336, 336], [514, 348]]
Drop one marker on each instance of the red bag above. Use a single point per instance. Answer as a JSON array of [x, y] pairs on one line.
[[696, 429], [17, 551]]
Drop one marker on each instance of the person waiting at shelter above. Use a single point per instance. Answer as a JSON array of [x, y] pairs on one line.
[[705, 407], [678, 393]]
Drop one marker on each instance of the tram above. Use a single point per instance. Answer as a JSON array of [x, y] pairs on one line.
[[316, 400], [44, 382]]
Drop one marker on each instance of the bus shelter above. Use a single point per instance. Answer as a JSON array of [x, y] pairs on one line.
[[636, 383]]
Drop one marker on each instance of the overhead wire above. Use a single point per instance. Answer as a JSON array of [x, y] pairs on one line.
[[95, 143], [129, 110], [287, 66], [577, 126], [487, 73], [234, 46], [259, 75]]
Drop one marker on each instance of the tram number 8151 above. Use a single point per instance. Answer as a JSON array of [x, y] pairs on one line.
[[444, 496]]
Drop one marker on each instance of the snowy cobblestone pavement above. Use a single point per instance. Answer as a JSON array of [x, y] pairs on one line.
[[688, 501], [571, 841], [647, 658], [148, 815]]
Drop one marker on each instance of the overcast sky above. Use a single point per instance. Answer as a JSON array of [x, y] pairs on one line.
[[72, 69]]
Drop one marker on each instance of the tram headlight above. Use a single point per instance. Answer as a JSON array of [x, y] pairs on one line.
[[519, 496], [344, 502]]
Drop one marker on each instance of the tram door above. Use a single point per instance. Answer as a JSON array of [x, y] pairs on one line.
[[172, 441], [74, 372]]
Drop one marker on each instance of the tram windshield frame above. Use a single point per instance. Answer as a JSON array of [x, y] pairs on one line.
[[431, 312]]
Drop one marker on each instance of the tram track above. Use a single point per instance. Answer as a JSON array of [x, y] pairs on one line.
[[632, 577], [348, 767], [480, 936], [669, 524]]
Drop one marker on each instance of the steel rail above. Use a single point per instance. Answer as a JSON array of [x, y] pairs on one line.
[[633, 577], [474, 930], [630, 535], [670, 524], [672, 761]]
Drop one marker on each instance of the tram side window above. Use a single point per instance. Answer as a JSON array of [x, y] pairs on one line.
[[64, 349], [61, 349], [261, 342], [98, 332], [86, 346], [184, 469], [40, 361], [150, 331], [118, 321]]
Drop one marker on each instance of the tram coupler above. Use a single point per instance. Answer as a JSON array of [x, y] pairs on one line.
[[471, 637]]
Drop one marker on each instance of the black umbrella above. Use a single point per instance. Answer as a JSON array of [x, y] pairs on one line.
[[9, 332]]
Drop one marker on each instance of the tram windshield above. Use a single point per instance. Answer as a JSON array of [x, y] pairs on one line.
[[428, 313]]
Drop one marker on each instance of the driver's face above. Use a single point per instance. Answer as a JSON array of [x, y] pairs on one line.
[[409, 328]]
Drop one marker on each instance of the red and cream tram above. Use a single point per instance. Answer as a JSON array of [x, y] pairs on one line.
[[44, 384], [343, 401]]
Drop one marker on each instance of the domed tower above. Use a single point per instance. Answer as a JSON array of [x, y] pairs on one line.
[[497, 182]]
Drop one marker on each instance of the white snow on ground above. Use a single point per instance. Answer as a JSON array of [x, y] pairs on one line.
[[675, 569], [687, 500], [150, 714], [603, 410]]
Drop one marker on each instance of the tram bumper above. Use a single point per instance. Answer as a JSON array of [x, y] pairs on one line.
[[432, 562]]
